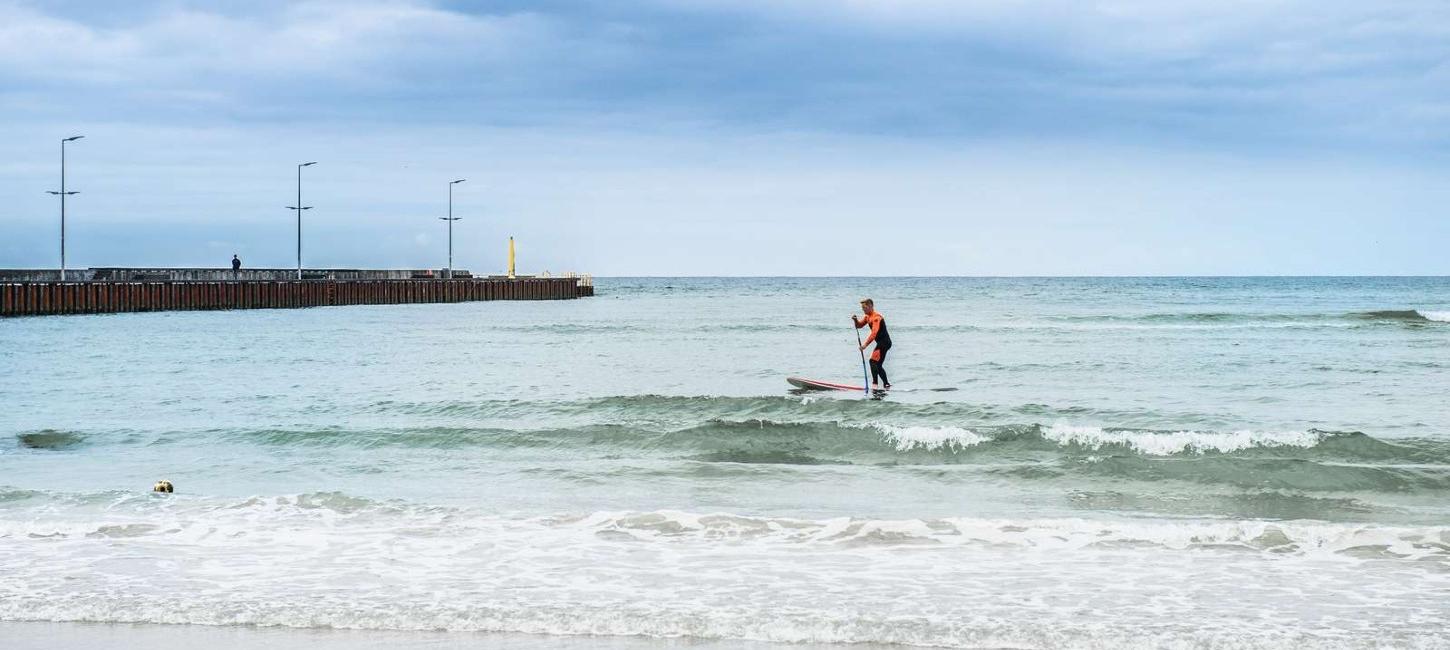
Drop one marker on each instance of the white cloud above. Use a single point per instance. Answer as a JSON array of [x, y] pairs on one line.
[[1273, 34], [299, 40], [665, 139], [1331, 67]]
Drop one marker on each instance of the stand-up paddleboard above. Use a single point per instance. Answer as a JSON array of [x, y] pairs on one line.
[[811, 384]]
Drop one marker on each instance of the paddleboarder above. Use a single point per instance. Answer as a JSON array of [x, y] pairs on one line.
[[879, 336]]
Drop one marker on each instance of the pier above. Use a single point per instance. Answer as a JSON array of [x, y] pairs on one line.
[[116, 290]]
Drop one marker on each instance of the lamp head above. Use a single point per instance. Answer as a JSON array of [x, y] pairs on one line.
[[308, 164], [73, 138], [458, 181]]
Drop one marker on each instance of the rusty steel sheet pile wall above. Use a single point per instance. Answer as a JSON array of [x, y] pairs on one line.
[[55, 298]]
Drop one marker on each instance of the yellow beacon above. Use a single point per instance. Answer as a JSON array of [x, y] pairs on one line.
[[511, 257]]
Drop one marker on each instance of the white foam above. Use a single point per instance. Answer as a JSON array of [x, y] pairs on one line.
[[1165, 443], [921, 437], [328, 560], [198, 523], [1153, 443], [1279, 537], [1437, 316]]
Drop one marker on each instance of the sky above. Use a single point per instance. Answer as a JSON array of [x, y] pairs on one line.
[[734, 137]]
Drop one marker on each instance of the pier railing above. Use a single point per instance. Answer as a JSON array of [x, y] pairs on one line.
[[100, 297], [172, 274]]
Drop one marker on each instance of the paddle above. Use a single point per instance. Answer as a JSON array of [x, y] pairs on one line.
[[865, 376]]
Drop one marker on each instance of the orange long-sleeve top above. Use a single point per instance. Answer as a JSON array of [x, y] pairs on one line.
[[875, 320]]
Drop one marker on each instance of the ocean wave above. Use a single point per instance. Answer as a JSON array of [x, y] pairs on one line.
[[1088, 439], [1255, 319], [336, 560], [1283, 538], [1404, 316], [1268, 473], [928, 437], [1310, 460], [1199, 317], [650, 408], [1095, 438], [192, 519], [1168, 443], [50, 439], [846, 435]]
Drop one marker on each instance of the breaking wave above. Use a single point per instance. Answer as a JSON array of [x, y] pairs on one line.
[[1251, 319], [926, 437], [120, 514], [1404, 316], [1145, 442], [845, 437], [1312, 460], [1025, 443], [1167, 443], [334, 560]]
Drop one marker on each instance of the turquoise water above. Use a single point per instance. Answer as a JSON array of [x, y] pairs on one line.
[[1064, 462]]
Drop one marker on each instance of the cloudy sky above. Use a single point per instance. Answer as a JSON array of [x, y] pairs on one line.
[[736, 137]]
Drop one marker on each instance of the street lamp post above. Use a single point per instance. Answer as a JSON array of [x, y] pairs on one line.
[[450, 219], [299, 208], [62, 194]]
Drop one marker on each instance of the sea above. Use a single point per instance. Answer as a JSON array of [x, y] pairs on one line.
[[1061, 463]]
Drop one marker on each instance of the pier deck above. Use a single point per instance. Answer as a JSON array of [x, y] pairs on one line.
[[42, 298]]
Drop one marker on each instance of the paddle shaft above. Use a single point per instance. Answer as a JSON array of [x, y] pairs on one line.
[[865, 376]]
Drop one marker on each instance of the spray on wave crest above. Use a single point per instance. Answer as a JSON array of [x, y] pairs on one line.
[[1167, 443], [928, 437], [1150, 443], [318, 517]]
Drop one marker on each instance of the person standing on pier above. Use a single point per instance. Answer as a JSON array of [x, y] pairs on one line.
[[236, 263]]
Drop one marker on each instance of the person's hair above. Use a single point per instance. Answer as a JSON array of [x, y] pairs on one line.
[[868, 301]]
